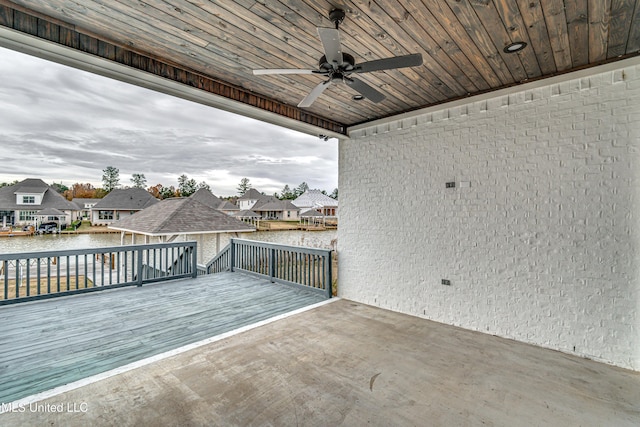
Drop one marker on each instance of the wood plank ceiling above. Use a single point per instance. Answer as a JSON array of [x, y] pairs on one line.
[[222, 41]]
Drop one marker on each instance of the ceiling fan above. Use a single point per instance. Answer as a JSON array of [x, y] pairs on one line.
[[339, 66]]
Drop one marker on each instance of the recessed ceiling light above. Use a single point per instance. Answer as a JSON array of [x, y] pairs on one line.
[[357, 97], [515, 47]]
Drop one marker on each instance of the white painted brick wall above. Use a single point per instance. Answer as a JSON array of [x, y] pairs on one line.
[[544, 245]]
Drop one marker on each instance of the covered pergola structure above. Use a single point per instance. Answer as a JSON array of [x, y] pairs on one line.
[[517, 140]]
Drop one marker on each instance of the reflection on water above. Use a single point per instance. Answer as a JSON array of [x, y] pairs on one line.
[[206, 245]]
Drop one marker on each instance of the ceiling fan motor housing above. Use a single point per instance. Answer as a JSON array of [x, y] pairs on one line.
[[348, 63]]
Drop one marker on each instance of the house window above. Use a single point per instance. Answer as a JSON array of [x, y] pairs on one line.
[[288, 214], [28, 200], [105, 214], [27, 215]]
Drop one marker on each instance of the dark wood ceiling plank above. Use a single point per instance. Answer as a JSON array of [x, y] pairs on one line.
[[578, 27], [556, 19], [476, 31], [443, 14], [621, 19], [497, 31], [599, 19], [373, 19], [6, 16], [430, 26], [533, 17], [517, 31], [633, 43], [435, 59]]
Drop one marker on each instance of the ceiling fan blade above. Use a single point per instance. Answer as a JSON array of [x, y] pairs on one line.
[[389, 63], [283, 71], [364, 89], [314, 94], [330, 38]]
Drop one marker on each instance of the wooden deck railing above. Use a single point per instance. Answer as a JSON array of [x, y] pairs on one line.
[[292, 265], [35, 275]]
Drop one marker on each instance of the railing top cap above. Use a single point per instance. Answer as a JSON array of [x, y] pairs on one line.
[[280, 246], [103, 249]]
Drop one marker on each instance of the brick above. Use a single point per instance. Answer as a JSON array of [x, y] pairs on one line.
[[540, 248]]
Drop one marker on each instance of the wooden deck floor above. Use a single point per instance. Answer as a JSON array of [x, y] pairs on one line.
[[50, 343]]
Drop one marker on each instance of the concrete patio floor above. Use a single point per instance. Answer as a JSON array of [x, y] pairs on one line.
[[350, 364]]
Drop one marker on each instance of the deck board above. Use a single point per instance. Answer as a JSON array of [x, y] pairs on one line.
[[45, 344]]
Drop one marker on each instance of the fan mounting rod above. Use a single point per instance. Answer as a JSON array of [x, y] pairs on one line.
[[337, 16]]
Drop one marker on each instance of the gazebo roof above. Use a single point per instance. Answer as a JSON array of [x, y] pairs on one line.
[[180, 216]]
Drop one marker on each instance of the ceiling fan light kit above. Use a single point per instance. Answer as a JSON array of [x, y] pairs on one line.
[[338, 66]]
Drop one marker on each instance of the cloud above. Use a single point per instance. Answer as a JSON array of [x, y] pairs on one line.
[[66, 125]]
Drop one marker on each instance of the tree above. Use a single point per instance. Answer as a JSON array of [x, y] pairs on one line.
[[334, 194], [138, 180], [244, 186], [204, 185], [110, 178], [186, 186], [60, 188], [156, 191], [6, 184], [167, 192], [80, 191], [286, 193], [300, 189]]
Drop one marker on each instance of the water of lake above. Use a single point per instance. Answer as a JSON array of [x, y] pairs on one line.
[[206, 246]]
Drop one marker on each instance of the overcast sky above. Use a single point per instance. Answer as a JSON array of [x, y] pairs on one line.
[[65, 125]]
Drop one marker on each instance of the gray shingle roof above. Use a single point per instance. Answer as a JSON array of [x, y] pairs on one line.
[[81, 201], [51, 199], [180, 216], [252, 194], [273, 204], [208, 198], [133, 199]]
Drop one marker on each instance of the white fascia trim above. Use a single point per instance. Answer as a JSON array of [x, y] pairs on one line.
[[587, 72], [50, 51]]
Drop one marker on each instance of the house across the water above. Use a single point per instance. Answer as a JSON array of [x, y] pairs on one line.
[[21, 204]]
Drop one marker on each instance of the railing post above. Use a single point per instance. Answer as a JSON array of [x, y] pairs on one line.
[[272, 264], [194, 261], [139, 268], [232, 254], [328, 269]]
